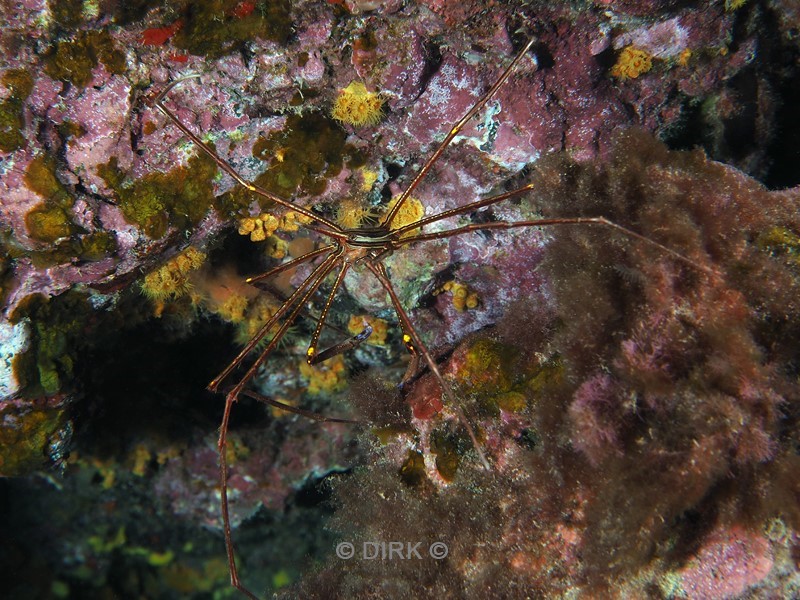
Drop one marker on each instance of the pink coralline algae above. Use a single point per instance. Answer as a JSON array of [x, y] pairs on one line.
[[568, 101], [626, 396], [727, 565], [263, 473], [593, 413]]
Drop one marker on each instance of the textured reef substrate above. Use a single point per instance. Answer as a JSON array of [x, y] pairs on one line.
[[639, 407]]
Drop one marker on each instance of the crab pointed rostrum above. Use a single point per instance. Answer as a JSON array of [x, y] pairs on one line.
[[367, 246]]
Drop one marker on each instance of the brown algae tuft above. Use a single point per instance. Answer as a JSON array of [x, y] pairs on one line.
[[73, 60], [307, 152], [12, 120], [214, 28], [179, 198]]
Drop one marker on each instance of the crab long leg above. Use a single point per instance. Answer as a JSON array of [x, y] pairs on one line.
[[292, 263], [345, 346], [411, 337], [225, 166], [387, 220], [311, 353], [315, 279], [294, 409], [423, 237], [324, 266], [467, 208]]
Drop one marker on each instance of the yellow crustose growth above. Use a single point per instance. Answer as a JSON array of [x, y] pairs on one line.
[[380, 328], [463, 297], [631, 63]]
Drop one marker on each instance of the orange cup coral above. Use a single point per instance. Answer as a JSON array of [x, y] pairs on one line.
[[631, 63], [357, 106]]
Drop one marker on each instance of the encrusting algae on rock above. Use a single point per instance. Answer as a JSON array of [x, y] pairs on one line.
[[19, 83], [179, 198]]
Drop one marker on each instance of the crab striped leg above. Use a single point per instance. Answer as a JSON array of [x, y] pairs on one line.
[[227, 167], [387, 220], [467, 208], [292, 263], [412, 339], [311, 281], [309, 286], [602, 221]]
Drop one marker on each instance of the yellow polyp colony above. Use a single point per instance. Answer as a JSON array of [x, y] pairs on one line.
[[357, 106], [351, 214], [325, 377], [224, 293], [171, 280], [411, 212], [379, 328], [227, 295], [684, 57], [141, 458], [277, 247], [463, 297], [233, 308], [264, 225], [370, 177], [258, 228], [255, 316], [731, 5], [292, 221], [631, 63]]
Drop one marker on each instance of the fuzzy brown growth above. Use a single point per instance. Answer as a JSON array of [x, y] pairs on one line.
[[675, 413]]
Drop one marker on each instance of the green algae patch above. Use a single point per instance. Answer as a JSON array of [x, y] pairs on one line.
[[67, 14], [448, 449], [73, 60], [130, 11], [488, 366], [19, 82], [6, 270], [88, 247], [26, 433], [57, 333], [179, 198], [547, 376], [69, 129], [307, 152], [50, 222], [502, 378], [412, 472], [96, 246], [214, 28], [12, 120], [40, 177], [781, 242]]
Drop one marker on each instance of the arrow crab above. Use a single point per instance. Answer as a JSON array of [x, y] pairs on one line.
[[339, 251]]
